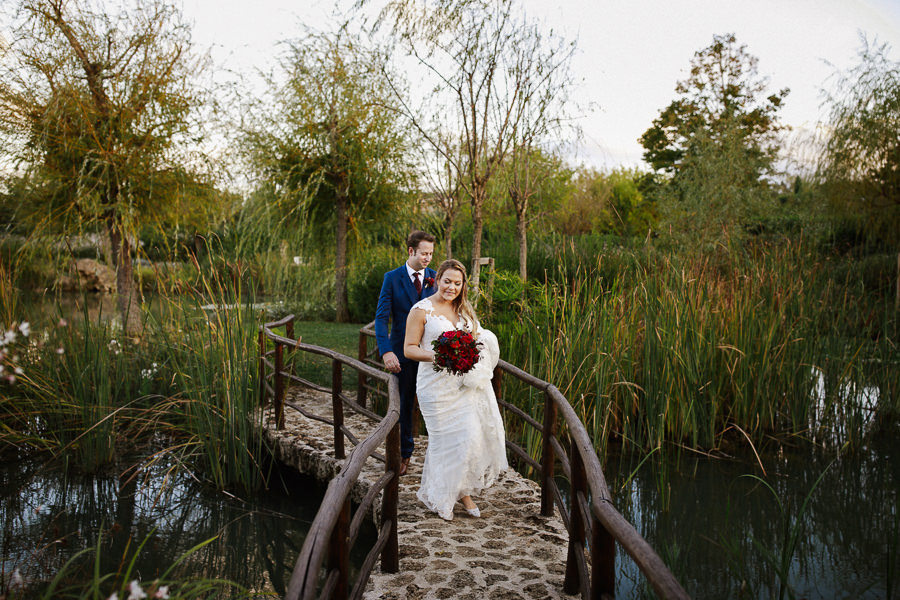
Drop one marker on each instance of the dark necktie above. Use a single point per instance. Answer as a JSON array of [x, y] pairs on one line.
[[417, 283]]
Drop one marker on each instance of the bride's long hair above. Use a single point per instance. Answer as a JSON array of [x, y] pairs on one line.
[[460, 304]]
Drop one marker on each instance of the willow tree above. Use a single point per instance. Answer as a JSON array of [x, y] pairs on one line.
[[330, 143], [97, 103], [860, 165], [489, 71]]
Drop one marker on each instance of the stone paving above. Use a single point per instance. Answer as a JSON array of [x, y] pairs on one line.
[[510, 552]]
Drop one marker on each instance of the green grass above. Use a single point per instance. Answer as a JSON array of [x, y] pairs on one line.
[[343, 337]]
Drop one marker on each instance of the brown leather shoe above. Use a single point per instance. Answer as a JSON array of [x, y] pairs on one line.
[[404, 465]]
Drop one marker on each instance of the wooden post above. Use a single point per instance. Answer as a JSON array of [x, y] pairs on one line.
[[339, 552], [337, 408], [572, 582], [390, 555], [548, 456], [897, 299], [603, 560], [279, 386], [261, 337], [361, 391], [289, 330]]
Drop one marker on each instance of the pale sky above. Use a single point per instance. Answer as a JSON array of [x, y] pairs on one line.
[[631, 52]]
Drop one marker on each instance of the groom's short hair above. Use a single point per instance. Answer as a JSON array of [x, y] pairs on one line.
[[418, 236]]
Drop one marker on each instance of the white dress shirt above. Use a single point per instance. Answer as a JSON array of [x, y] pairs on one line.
[[410, 271]]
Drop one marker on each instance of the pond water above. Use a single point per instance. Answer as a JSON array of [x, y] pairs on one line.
[[48, 515], [726, 529]]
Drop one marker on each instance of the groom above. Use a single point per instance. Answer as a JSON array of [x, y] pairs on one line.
[[403, 287]]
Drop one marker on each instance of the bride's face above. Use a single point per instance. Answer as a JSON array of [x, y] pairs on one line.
[[450, 284]]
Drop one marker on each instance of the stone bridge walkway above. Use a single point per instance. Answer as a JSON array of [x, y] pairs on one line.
[[511, 552]]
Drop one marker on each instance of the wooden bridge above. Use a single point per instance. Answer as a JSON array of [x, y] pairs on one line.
[[530, 542]]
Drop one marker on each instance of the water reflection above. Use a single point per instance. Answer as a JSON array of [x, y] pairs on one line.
[[48, 516], [726, 535]]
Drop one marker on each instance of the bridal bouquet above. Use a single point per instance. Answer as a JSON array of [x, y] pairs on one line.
[[455, 351]]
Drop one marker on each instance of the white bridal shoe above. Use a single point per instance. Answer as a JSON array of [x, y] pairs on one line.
[[472, 512]]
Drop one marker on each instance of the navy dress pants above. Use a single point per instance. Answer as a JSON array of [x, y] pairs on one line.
[[409, 369]]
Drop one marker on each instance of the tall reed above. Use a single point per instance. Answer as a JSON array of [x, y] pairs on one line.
[[88, 393], [211, 356], [692, 350], [79, 391]]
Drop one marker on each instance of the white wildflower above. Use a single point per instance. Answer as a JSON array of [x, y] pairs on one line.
[[162, 592], [11, 379], [135, 592], [113, 596], [25, 328], [114, 346], [62, 323], [60, 350], [18, 371]]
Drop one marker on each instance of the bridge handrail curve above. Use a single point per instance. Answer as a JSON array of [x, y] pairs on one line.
[[646, 558], [312, 554], [336, 502]]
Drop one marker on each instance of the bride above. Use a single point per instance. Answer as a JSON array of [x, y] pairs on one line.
[[466, 443]]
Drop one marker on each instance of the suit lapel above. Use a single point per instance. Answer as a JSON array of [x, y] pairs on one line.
[[406, 282]]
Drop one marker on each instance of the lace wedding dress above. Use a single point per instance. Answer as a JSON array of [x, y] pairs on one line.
[[466, 442]]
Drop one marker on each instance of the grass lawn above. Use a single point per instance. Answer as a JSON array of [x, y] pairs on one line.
[[343, 337]]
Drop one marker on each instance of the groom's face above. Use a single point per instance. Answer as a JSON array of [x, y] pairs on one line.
[[421, 256]]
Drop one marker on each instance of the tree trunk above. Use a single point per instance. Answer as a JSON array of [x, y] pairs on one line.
[[340, 259], [477, 228], [126, 294], [522, 238], [448, 236]]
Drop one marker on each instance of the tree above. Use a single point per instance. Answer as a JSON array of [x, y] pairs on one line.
[[442, 179], [332, 144], [718, 139], [96, 106], [531, 177], [723, 94], [491, 71], [605, 202], [860, 164], [541, 113]]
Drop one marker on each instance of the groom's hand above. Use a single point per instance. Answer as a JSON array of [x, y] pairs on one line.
[[391, 362]]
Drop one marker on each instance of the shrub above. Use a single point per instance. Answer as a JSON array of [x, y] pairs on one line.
[[366, 276]]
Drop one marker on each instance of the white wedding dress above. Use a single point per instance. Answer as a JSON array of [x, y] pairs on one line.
[[466, 442]]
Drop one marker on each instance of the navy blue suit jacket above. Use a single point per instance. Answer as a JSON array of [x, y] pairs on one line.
[[394, 303]]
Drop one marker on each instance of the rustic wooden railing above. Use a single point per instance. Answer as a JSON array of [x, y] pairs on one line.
[[334, 529], [593, 523]]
